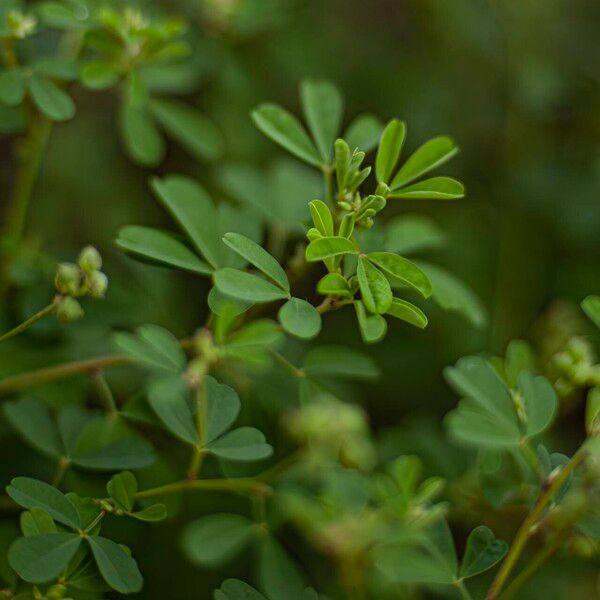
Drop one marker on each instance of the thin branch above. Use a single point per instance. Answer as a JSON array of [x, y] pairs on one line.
[[42, 314]]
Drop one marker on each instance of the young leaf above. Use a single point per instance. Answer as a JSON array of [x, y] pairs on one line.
[[160, 247], [436, 188], [540, 403], [326, 247], [452, 294], [151, 514], [372, 326], [32, 419], [323, 108], [483, 551], [334, 284], [411, 233], [591, 307], [234, 589], [43, 557], [31, 493], [245, 443], [278, 575], [374, 287], [262, 332], [141, 138], [321, 216], [12, 87], [246, 286], [284, 129], [390, 146], [119, 569], [300, 318], [215, 539], [340, 361], [122, 488], [100, 74], [35, 521], [403, 271], [194, 211], [222, 408], [430, 155], [195, 132], [363, 132], [401, 309], [55, 103], [259, 257], [169, 399]]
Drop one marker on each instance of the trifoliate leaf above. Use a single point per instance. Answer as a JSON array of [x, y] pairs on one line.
[[119, 569], [483, 551]]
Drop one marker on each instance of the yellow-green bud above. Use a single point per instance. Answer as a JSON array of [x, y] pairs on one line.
[[90, 259], [56, 592], [98, 284], [68, 279], [20, 25], [69, 310]]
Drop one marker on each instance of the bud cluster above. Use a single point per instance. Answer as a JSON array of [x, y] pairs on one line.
[[20, 25], [576, 366], [77, 280]]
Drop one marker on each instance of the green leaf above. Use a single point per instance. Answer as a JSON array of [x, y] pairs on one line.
[[31, 493], [372, 326], [33, 420], [483, 551], [401, 309], [143, 142], [300, 318], [154, 347], [326, 247], [151, 514], [259, 257], [12, 87], [591, 307], [195, 132], [122, 488], [100, 74], [363, 132], [234, 589], [43, 557], [220, 304], [452, 294], [194, 211], [160, 247], [430, 155], [321, 216], [243, 444], [436, 188], [259, 333], [340, 361], [334, 284], [222, 408], [284, 129], [401, 270], [170, 399], [413, 233], [374, 287], [278, 575], [56, 104], [592, 412], [323, 108], [520, 356], [215, 539], [35, 521], [246, 286], [390, 146], [119, 569], [540, 403]]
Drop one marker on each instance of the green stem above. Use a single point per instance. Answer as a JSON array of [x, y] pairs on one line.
[[48, 310], [534, 565], [462, 589], [286, 364], [201, 413], [224, 485], [104, 392], [529, 523], [61, 469], [95, 522]]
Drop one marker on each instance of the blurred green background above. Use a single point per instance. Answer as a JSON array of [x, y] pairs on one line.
[[515, 82]]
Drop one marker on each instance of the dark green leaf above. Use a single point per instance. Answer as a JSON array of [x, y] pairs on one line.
[[100, 74], [243, 444], [119, 569], [278, 575], [591, 307], [246, 286], [413, 233], [340, 361], [390, 146], [284, 129], [151, 514], [540, 402], [222, 408], [31, 493], [143, 142], [122, 488], [56, 104], [363, 132], [300, 318], [483, 551], [12, 87], [233, 589], [35, 521]]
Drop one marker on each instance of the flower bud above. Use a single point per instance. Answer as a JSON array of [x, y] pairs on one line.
[[69, 310], [56, 592], [90, 259], [97, 284], [68, 279], [20, 25]]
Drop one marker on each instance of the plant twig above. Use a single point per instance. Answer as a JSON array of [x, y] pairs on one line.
[[46, 311], [231, 485], [528, 524], [104, 392]]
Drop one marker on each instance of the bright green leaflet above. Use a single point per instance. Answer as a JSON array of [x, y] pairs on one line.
[[247, 287], [12, 87], [300, 318], [142, 140], [375, 288], [373, 327], [50, 99], [328, 247], [390, 146], [401, 309], [403, 271], [436, 188], [333, 284], [321, 216], [591, 307]]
